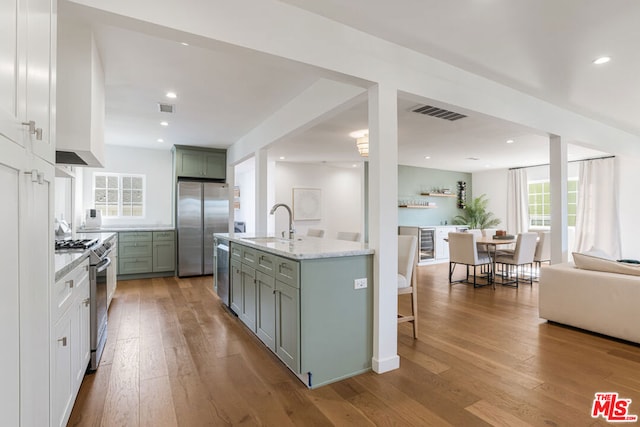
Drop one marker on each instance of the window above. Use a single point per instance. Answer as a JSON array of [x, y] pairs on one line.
[[540, 203], [119, 195]]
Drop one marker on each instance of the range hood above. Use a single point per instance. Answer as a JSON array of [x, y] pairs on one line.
[[79, 96]]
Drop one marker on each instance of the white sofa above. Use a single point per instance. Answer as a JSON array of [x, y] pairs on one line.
[[603, 302]]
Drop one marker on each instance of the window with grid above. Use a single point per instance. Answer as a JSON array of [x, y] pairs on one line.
[[540, 203], [119, 195]]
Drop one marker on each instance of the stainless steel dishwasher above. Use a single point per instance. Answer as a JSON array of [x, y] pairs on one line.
[[222, 270]]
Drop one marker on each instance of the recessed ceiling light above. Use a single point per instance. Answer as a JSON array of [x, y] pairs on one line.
[[171, 95], [487, 166], [427, 157], [354, 166], [164, 123], [510, 141], [602, 60], [184, 43], [160, 140], [282, 157]]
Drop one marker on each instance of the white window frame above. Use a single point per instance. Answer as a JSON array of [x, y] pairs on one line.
[[120, 176], [543, 181]]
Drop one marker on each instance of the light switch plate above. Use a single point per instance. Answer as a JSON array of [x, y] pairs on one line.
[[360, 283]]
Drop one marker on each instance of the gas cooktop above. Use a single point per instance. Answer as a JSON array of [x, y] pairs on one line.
[[75, 243]]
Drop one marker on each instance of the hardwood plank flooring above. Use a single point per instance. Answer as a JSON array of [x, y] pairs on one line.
[[175, 357]]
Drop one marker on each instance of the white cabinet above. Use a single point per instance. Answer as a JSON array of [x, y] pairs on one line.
[[112, 272], [70, 340], [27, 80], [442, 246]]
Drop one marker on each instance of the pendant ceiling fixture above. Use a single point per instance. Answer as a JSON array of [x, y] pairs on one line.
[[362, 141]]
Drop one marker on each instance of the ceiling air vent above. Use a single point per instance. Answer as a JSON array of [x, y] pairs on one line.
[[440, 113], [165, 108]]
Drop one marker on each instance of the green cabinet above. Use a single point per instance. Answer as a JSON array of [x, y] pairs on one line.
[[146, 252], [194, 162], [248, 309], [266, 315], [287, 324], [164, 251], [235, 299]]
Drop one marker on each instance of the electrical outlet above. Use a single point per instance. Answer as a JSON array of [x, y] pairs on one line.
[[360, 283]]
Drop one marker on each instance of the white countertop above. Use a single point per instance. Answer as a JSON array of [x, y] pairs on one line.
[[115, 229], [301, 247]]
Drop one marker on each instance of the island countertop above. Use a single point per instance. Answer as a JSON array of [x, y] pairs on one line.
[[301, 247]]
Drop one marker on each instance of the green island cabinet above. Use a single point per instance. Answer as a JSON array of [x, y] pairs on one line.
[[195, 162], [146, 253], [306, 311]]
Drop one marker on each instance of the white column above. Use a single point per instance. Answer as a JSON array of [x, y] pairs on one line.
[[559, 210], [261, 186], [231, 181], [383, 223]]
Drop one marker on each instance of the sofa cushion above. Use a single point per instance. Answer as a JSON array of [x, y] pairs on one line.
[[589, 262]]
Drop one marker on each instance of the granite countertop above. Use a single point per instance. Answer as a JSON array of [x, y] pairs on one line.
[[65, 261], [301, 247]]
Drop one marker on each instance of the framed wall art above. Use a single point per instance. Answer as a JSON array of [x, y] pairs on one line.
[[307, 204]]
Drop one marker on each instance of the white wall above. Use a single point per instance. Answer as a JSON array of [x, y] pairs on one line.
[[493, 183], [245, 180], [341, 196], [156, 165]]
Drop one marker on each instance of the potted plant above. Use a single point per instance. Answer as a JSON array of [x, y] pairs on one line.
[[475, 214]]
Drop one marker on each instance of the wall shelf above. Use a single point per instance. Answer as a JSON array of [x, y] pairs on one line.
[[438, 195], [417, 207]]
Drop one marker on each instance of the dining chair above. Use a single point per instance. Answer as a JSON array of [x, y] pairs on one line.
[[464, 250], [521, 256], [543, 251], [353, 236], [315, 232], [407, 278]]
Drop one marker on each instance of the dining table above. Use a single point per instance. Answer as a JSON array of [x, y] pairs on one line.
[[492, 242]]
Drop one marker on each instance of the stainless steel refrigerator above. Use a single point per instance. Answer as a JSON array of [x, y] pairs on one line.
[[203, 209]]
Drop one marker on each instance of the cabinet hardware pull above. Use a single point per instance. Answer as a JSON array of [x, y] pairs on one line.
[[70, 283], [32, 126], [87, 302], [36, 176], [63, 341]]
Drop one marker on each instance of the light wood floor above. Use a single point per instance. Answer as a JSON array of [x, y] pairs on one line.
[[483, 357]]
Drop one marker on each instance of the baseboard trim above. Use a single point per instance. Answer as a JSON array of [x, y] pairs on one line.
[[381, 366]]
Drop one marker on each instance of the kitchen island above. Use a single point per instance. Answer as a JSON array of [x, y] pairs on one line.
[[309, 300]]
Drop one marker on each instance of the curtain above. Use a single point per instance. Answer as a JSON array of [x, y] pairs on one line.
[[517, 201], [597, 221]]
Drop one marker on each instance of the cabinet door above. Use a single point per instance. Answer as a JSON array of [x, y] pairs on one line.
[[12, 58], [248, 309], [61, 386], [215, 165], [164, 256], [288, 325], [236, 286], [9, 266], [112, 279], [190, 164], [41, 36], [266, 316], [82, 345]]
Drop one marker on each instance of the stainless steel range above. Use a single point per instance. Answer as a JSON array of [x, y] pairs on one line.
[[99, 263]]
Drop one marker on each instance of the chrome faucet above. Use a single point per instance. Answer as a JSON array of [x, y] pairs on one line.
[[273, 210]]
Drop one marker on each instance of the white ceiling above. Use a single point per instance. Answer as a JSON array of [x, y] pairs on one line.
[[541, 47]]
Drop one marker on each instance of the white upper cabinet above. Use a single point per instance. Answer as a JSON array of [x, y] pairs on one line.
[[27, 80]]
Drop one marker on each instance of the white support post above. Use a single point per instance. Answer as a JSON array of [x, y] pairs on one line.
[[231, 181], [559, 209], [383, 223], [261, 184]]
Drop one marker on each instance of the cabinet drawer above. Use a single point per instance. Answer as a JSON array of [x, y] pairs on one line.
[[163, 236], [236, 251], [135, 236], [134, 249], [249, 255], [266, 263], [63, 289], [135, 265], [288, 271]]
